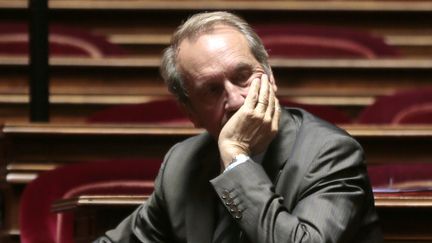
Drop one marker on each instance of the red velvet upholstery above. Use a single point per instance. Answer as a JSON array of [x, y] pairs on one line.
[[417, 114], [64, 41], [324, 112], [65, 220], [39, 225], [305, 41], [413, 106], [407, 176], [165, 111]]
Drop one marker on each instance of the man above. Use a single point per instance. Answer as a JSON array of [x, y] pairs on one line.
[[259, 174]]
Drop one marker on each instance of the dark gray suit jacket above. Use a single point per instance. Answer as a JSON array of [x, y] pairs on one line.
[[312, 186]]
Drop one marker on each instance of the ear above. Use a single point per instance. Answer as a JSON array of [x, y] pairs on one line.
[[188, 110]]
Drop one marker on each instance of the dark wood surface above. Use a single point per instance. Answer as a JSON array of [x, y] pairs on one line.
[[405, 217], [30, 148]]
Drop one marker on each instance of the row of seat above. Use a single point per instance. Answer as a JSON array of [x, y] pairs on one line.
[[305, 42], [308, 41], [80, 87], [131, 23], [408, 107]]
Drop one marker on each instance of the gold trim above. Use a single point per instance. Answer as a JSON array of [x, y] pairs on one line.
[[357, 6], [97, 200], [154, 62], [382, 201], [20, 178], [155, 129]]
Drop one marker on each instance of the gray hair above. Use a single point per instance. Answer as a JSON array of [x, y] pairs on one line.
[[192, 28]]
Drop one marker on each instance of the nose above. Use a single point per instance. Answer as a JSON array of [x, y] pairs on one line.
[[234, 97]]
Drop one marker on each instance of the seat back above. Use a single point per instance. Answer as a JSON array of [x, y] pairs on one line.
[[307, 41], [404, 107], [398, 176], [416, 114], [63, 41], [324, 112], [164, 111], [39, 225]]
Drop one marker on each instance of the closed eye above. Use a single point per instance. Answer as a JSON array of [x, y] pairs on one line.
[[241, 76], [213, 89]]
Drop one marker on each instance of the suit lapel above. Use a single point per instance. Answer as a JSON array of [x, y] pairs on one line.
[[280, 148], [200, 215]]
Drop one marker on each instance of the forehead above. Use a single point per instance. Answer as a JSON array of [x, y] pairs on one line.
[[213, 49]]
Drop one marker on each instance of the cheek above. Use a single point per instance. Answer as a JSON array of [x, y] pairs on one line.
[[245, 90], [212, 115]]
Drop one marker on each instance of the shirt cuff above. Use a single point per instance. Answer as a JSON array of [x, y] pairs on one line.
[[238, 159]]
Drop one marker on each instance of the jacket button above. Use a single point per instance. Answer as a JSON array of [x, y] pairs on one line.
[[229, 201], [225, 194]]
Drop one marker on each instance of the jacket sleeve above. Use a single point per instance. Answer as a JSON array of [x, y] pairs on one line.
[[330, 200], [149, 223]]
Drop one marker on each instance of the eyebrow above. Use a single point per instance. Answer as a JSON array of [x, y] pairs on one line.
[[238, 68], [243, 66]]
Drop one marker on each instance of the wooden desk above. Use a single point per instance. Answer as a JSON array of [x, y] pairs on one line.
[[29, 148], [405, 217], [93, 215]]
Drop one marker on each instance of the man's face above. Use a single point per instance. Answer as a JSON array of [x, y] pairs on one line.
[[218, 68]]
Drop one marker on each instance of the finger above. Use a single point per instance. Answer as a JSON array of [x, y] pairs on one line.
[[271, 106], [252, 96], [276, 116], [263, 98]]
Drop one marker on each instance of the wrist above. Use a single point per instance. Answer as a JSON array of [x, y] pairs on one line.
[[228, 151]]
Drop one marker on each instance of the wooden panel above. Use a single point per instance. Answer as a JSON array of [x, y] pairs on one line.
[[403, 218], [93, 215], [293, 5], [31, 148]]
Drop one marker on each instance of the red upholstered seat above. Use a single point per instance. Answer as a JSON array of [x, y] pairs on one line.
[[324, 112], [404, 107], [416, 114], [404, 177], [112, 177], [165, 111], [414, 107], [64, 41], [306, 41], [39, 225]]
